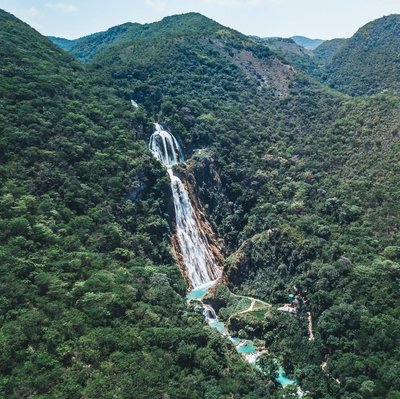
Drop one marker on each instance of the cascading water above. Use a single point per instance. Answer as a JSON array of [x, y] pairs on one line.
[[209, 312], [200, 263], [165, 147]]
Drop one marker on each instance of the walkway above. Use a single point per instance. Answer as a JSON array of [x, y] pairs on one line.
[[256, 304]]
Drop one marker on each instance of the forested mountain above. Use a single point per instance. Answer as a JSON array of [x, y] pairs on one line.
[[91, 298], [326, 50], [300, 182], [87, 47], [369, 62], [65, 44]]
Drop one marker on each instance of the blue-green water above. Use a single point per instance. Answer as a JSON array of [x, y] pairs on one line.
[[199, 292], [243, 346], [218, 325], [246, 347], [283, 379], [235, 340]]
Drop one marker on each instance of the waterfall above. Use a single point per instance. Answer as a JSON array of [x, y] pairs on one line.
[[165, 148], [199, 260], [209, 312]]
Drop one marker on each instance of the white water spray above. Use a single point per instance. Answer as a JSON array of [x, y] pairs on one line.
[[165, 147], [196, 252], [209, 312]]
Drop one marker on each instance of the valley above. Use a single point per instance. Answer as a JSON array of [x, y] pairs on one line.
[[188, 212]]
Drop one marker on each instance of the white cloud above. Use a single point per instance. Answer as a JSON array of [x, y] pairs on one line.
[[63, 7], [239, 3], [157, 5], [27, 14]]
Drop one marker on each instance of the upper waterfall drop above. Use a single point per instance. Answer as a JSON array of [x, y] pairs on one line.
[[199, 260], [165, 147]]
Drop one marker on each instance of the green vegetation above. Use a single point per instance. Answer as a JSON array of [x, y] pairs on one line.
[[87, 47], [65, 44], [244, 316], [326, 50], [365, 64], [91, 299], [300, 181], [368, 62]]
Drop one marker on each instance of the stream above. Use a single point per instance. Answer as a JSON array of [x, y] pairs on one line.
[[245, 347], [198, 258]]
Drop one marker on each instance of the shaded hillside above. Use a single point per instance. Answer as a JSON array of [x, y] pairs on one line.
[[92, 302], [293, 178], [301, 183], [369, 62], [87, 47], [326, 50], [65, 44]]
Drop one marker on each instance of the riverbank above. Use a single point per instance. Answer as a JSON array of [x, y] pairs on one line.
[[246, 347]]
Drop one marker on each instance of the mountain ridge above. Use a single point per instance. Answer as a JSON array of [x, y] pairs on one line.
[[309, 44], [98, 41], [93, 303], [367, 63], [299, 181]]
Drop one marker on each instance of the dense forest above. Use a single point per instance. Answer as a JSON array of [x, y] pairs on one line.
[[90, 293], [296, 167], [365, 64]]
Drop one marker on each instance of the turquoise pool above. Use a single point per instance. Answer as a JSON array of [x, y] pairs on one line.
[[199, 292]]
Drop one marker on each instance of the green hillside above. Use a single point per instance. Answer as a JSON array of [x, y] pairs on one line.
[[326, 50], [369, 62], [65, 44], [85, 48], [301, 182], [307, 43], [92, 302]]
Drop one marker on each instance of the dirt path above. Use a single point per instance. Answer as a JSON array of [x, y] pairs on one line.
[[252, 299], [310, 331], [252, 305], [249, 309]]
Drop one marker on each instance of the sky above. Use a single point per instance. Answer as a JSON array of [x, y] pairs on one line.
[[323, 19]]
